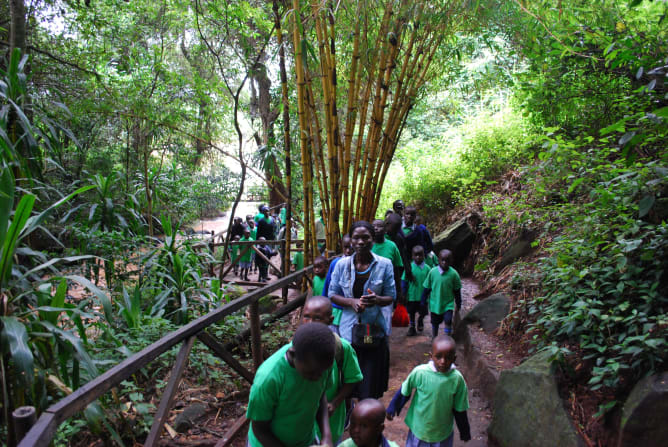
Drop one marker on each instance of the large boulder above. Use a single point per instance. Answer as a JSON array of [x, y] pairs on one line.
[[489, 312], [458, 238], [645, 413], [520, 247], [528, 411]]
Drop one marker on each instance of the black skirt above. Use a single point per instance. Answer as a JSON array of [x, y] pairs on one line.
[[375, 367]]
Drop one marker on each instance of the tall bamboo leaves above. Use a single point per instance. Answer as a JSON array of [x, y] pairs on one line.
[[385, 51]]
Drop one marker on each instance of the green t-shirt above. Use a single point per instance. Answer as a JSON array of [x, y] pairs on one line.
[[318, 284], [389, 250], [415, 287], [283, 215], [234, 253], [258, 217], [298, 260], [336, 313], [443, 286], [430, 416], [350, 443], [246, 257], [254, 234], [351, 374], [280, 395], [431, 259]]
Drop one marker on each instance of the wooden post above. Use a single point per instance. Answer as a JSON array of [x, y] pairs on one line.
[[256, 335], [24, 418], [170, 390], [285, 266]]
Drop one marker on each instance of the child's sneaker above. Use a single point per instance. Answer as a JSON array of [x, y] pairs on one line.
[[411, 332]]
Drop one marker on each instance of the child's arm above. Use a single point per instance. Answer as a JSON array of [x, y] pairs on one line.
[[263, 433], [345, 391], [462, 421], [396, 404], [458, 299], [323, 421], [425, 296]]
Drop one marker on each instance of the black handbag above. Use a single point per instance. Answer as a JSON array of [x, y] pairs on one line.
[[367, 335]]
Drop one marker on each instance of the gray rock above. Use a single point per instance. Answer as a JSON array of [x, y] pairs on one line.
[[185, 420], [528, 411], [520, 247], [489, 312], [457, 238], [645, 413]]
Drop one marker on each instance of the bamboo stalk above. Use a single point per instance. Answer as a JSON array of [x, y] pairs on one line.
[[286, 143]]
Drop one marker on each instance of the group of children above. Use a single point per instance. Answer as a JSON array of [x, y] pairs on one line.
[[300, 394], [244, 257]]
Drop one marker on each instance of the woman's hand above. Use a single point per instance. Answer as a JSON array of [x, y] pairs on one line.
[[358, 305], [370, 299]]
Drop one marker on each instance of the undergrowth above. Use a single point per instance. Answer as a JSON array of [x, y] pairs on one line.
[[603, 280]]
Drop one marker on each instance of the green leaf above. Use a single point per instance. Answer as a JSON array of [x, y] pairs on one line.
[[58, 300], [662, 112], [14, 339], [36, 221], [21, 216], [645, 205], [575, 184], [104, 299], [6, 200]]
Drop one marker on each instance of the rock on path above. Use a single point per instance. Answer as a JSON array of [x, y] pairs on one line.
[[408, 352]]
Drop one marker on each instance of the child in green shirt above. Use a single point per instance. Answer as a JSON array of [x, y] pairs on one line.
[[443, 290], [245, 259], [288, 392], [234, 254], [345, 372], [412, 290], [298, 258], [367, 423], [431, 259], [319, 274], [441, 395]]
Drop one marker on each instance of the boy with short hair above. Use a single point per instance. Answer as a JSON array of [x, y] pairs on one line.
[[245, 259], [367, 423], [345, 372], [288, 392], [383, 246], [412, 290], [443, 291], [415, 234], [319, 274], [441, 395]]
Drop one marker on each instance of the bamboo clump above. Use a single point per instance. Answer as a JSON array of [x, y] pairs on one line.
[[385, 51]]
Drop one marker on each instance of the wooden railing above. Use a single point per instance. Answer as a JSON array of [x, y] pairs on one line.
[[43, 431]]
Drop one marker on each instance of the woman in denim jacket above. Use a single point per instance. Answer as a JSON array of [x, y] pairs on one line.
[[363, 285]]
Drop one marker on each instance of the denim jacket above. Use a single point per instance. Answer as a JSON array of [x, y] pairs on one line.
[[381, 282]]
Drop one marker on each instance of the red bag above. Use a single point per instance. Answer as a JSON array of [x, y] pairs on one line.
[[400, 316]]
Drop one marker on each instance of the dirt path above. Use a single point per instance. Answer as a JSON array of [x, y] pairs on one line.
[[407, 352]]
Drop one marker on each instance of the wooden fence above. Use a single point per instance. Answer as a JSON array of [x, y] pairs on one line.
[[43, 431]]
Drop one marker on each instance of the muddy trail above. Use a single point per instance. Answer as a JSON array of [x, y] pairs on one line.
[[408, 352]]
